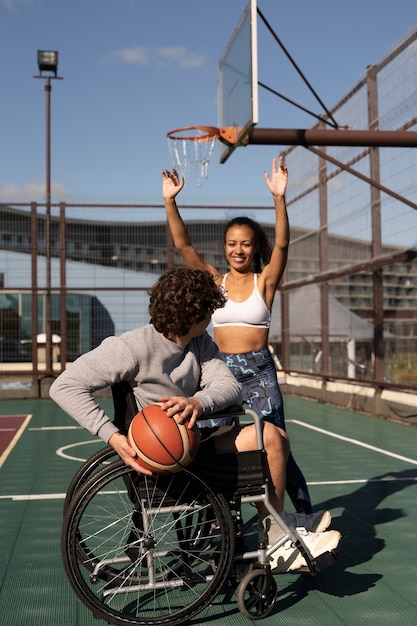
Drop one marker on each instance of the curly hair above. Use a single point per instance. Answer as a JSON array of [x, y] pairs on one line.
[[263, 248], [181, 298]]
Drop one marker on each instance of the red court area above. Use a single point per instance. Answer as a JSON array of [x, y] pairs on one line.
[[11, 428]]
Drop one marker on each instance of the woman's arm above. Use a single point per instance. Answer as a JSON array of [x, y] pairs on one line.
[[272, 273], [171, 186]]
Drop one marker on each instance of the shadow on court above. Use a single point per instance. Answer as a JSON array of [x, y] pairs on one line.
[[358, 523]]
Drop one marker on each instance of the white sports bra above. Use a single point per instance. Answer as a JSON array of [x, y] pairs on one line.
[[251, 312]]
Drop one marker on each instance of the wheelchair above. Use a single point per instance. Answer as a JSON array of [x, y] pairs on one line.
[[157, 550]]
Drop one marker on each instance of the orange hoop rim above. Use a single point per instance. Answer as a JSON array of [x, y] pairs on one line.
[[210, 133]]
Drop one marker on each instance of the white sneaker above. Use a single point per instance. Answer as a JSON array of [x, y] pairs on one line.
[[313, 522], [288, 558]]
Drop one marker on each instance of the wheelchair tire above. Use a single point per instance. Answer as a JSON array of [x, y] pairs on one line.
[[93, 464], [159, 548], [257, 594]]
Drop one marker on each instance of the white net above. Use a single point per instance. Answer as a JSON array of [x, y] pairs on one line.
[[191, 151]]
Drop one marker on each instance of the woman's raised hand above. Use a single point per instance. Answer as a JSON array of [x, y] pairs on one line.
[[277, 182], [171, 184]]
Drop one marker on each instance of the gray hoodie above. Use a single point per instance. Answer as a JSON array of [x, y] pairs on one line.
[[154, 366]]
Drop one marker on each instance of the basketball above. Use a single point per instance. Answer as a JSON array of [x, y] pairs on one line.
[[162, 445]]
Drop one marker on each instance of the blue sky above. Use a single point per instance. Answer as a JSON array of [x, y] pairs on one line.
[[134, 69]]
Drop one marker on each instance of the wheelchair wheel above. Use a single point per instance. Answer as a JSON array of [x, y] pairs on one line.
[[257, 594], [93, 464], [157, 550]]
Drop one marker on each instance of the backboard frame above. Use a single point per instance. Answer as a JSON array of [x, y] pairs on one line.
[[237, 87]]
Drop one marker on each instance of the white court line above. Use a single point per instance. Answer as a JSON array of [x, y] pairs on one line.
[[56, 428], [355, 442], [34, 496], [363, 481], [359, 481], [60, 496], [62, 451], [15, 439]]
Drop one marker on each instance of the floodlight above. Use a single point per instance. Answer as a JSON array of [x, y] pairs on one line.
[[48, 61]]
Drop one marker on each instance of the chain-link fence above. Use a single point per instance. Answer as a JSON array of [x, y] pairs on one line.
[[71, 274]]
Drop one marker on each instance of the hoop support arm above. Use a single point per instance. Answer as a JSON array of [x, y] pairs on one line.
[[322, 137]]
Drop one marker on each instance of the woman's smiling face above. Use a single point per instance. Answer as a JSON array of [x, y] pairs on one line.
[[239, 247]]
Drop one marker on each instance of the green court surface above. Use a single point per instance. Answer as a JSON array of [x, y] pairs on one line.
[[364, 470]]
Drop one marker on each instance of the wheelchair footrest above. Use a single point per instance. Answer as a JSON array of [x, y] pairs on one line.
[[320, 562]]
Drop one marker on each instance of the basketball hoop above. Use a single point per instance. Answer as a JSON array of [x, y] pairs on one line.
[[191, 148]]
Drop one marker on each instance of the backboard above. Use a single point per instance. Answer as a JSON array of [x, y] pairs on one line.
[[238, 83]]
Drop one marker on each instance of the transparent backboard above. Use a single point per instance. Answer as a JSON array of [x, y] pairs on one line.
[[238, 83]]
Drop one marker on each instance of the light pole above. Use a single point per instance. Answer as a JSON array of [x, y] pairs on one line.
[[48, 62]]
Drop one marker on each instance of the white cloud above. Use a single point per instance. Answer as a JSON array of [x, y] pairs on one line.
[[32, 191], [137, 55], [161, 57], [180, 56], [12, 5]]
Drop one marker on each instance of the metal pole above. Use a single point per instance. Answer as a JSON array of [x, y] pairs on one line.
[[48, 62], [34, 288], [377, 274], [324, 266], [48, 307], [63, 287]]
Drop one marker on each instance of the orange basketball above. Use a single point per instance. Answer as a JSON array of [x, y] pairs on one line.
[[162, 445]]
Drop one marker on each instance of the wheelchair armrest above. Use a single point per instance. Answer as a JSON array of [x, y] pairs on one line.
[[236, 411]]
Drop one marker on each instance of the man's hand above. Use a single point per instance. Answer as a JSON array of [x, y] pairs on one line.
[[121, 445], [182, 409]]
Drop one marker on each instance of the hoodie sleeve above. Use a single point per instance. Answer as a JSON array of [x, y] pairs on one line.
[[74, 389]]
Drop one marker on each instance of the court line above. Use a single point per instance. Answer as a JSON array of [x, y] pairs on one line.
[[355, 442], [357, 481], [34, 496], [56, 428], [61, 451], [15, 439], [363, 481], [58, 496]]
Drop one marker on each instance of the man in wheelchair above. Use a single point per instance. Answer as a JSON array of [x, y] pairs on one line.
[[173, 361]]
